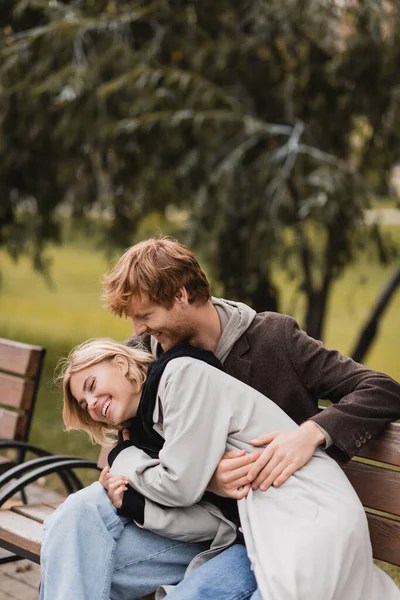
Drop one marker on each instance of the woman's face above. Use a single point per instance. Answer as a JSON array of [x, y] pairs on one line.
[[105, 391]]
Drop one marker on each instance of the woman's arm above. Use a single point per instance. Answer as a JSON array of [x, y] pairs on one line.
[[196, 425], [195, 523]]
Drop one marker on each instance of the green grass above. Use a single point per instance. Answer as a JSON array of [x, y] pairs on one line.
[[70, 312]]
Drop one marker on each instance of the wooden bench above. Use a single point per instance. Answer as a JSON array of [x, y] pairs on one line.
[[20, 370], [375, 474]]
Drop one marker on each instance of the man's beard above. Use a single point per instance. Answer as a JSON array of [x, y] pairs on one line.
[[171, 338]]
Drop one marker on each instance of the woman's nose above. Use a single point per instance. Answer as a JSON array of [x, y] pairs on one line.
[[91, 402]]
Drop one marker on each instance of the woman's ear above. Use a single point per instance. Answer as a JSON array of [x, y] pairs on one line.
[[122, 363]]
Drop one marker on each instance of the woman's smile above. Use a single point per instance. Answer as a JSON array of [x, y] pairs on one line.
[[106, 406], [105, 392]]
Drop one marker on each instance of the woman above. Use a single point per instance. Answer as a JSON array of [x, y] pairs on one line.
[[306, 540]]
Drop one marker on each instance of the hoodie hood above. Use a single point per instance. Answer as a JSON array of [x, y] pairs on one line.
[[235, 318]]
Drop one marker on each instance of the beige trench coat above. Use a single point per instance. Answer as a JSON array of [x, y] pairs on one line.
[[307, 540]]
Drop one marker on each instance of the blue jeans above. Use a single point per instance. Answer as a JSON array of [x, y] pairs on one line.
[[90, 553], [228, 576]]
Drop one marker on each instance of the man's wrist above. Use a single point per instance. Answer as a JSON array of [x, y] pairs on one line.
[[314, 432]]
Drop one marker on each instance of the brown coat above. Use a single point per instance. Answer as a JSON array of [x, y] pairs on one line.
[[281, 361]]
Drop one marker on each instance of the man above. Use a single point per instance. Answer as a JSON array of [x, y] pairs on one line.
[[161, 287]]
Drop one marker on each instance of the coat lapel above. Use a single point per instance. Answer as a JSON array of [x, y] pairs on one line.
[[236, 364]]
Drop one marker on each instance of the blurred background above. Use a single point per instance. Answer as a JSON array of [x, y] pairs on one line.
[[264, 134]]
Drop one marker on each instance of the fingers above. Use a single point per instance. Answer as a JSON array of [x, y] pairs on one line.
[[231, 472], [284, 476], [116, 489], [286, 452], [241, 492], [237, 467], [260, 463], [117, 495], [268, 475], [233, 454], [263, 440]]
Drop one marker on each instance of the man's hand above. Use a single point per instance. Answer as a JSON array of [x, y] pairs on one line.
[[230, 477], [287, 451], [114, 486]]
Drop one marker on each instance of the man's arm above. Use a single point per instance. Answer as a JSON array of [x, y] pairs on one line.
[[363, 403]]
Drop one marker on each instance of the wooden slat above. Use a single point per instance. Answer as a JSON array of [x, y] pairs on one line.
[[15, 391], [385, 538], [36, 512], [12, 425], [376, 487], [19, 358], [384, 448], [55, 504], [21, 534]]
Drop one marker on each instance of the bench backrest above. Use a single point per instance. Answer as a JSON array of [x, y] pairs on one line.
[[375, 475], [20, 369]]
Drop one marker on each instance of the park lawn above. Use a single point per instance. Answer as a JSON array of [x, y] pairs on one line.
[[70, 311]]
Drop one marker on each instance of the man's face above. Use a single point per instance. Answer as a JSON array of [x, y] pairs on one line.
[[168, 325]]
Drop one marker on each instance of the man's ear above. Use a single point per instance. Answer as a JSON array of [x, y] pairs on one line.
[[122, 363], [182, 297]]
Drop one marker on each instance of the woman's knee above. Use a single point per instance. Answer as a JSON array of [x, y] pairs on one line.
[[84, 505]]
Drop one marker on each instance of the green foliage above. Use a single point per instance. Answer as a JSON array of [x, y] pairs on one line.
[[263, 121]]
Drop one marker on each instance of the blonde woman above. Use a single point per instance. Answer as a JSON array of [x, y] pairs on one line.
[[306, 540]]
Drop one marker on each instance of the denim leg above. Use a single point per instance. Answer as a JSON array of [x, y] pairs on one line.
[[88, 550], [228, 576], [256, 595], [145, 560]]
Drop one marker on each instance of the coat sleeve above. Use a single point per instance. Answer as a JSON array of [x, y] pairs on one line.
[[188, 524], [196, 426], [364, 401]]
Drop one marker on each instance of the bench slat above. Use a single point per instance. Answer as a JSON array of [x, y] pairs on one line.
[[385, 448], [12, 425], [385, 538], [16, 392], [19, 358], [36, 512], [376, 487], [20, 534]]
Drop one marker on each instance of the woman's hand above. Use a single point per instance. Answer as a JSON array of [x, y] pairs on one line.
[[115, 486]]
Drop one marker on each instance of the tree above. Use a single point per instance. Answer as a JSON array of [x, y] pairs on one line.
[[268, 123], [370, 329]]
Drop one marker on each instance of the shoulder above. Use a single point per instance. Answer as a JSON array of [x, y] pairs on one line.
[[185, 367], [188, 364], [271, 326]]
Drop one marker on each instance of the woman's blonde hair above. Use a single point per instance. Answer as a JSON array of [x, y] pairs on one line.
[[91, 353]]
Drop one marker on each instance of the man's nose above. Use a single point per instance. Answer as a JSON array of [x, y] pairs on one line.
[[138, 328]]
